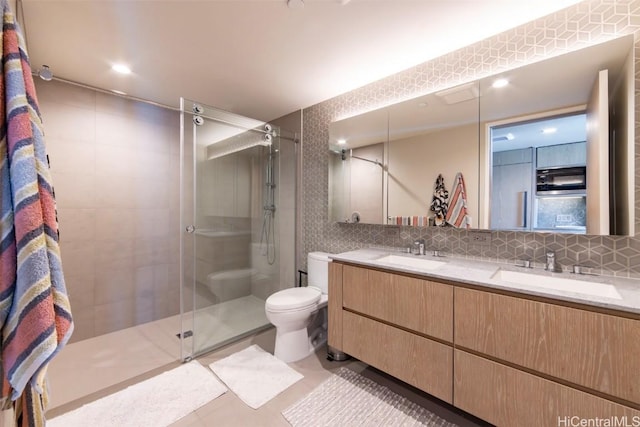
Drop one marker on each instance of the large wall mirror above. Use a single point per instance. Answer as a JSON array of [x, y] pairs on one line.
[[357, 168], [544, 147]]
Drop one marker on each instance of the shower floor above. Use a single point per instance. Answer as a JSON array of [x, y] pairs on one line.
[[221, 323], [98, 363]]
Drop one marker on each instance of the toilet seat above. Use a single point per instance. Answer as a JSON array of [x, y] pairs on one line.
[[293, 299]]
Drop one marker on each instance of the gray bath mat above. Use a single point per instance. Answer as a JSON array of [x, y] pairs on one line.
[[349, 399]]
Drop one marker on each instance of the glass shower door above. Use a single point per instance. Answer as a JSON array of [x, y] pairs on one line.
[[229, 239]]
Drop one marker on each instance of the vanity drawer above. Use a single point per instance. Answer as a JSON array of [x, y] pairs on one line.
[[505, 396], [419, 305], [594, 350], [418, 361]]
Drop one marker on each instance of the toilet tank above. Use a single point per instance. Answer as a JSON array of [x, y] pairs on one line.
[[318, 270]]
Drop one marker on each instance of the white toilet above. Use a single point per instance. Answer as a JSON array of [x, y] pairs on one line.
[[294, 312]]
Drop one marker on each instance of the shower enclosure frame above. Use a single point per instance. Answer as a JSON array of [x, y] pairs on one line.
[[189, 122]]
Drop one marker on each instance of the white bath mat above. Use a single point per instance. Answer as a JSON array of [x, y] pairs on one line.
[[254, 375], [349, 399], [156, 402]]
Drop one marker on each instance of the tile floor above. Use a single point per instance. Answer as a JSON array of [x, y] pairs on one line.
[[89, 366], [102, 363], [107, 360]]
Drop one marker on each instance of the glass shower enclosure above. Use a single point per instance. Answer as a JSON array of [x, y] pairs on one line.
[[238, 224]]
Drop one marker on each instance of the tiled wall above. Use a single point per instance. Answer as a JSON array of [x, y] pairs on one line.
[[578, 26], [115, 168]]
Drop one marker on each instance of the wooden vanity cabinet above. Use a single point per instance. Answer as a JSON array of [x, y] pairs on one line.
[[414, 359], [505, 396], [419, 305], [334, 306], [398, 324], [507, 359], [594, 350]]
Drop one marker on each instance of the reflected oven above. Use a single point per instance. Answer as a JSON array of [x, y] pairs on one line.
[[560, 204], [563, 180]]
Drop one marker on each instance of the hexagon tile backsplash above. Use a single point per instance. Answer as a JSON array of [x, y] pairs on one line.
[[578, 26]]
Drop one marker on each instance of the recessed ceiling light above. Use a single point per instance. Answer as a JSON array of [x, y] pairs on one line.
[[342, 141], [500, 83], [119, 92], [549, 130], [121, 68]]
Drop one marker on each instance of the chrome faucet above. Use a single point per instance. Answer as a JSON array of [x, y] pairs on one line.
[[550, 264], [418, 247]]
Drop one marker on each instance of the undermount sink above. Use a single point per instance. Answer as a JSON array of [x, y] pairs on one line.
[[558, 283], [411, 261]]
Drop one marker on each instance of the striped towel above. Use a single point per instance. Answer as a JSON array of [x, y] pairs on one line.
[[35, 316], [439, 202], [457, 214]]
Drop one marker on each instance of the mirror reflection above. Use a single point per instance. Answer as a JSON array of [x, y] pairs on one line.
[[358, 168], [550, 150], [433, 148], [558, 138], [538, 174]]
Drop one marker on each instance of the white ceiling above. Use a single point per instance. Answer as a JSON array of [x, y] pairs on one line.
[[257, 58]]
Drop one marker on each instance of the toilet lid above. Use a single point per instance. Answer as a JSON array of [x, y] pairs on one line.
[[293, 298]]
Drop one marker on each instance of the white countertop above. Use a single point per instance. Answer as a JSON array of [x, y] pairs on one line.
[[481, 273]]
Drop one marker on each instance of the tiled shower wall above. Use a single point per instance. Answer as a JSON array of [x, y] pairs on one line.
[[115, 168], [578, 26]]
